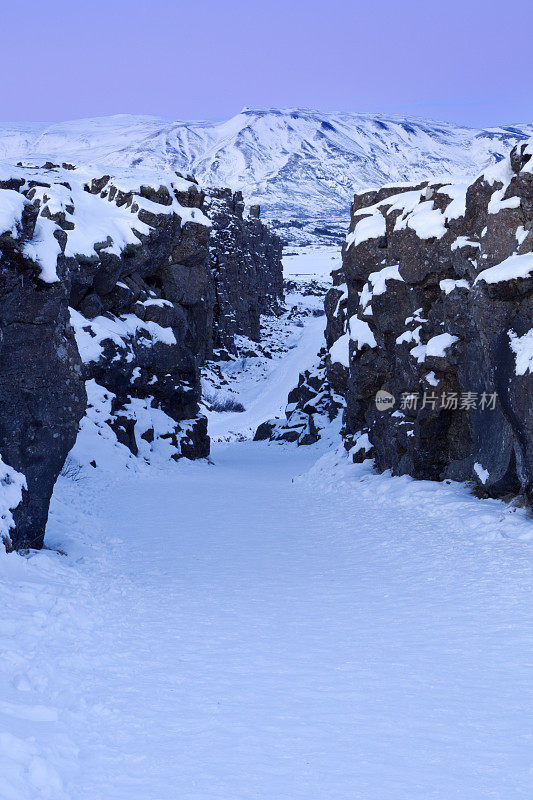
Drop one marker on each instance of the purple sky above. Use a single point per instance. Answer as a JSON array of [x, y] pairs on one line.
[[461, 60]]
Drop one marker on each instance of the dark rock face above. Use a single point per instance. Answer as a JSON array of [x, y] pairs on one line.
[[245, 260], [429, 316], [119, 286], [144, 318], [42, 393]]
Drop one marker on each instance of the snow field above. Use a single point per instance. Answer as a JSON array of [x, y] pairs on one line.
[[280, 624]]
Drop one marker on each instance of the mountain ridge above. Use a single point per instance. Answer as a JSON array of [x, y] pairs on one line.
[[297, 163]]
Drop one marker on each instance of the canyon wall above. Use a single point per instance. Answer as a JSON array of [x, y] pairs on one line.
[[116, 288], [429, 332], [245, 260]]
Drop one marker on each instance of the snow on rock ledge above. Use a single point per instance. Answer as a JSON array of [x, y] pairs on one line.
[[511, 269]]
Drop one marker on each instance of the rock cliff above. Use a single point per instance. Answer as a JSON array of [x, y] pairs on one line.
[[437, 311], [121, 287], [430, 331], [245, 260]]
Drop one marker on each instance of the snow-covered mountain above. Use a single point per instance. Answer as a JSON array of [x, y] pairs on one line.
[[296, 163]]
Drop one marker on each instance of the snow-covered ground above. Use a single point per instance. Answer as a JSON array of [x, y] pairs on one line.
[[278, 625], [308, 263]]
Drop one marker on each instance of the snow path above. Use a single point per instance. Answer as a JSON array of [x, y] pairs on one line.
[[280, 625], [223, 632], [265, 403], [262, 388]]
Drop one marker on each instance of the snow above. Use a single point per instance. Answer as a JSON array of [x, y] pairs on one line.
[[415, 317], [293, 340], [339, 352], [435, 348], [262, 401], [500, 172], [447, 285], [419, 352], [95, 221], [432, 379], [296, 163], [361, 333], [155, 301], [406, 202], [371, 227], [512, 268], [379, 279], [44, 248], [278, 623], [482, 473], [267, 626], [438, 345], [11, 209], [419, 212], [12, 484], [426, 221], [362, 443], [377, 285], [409, 336], [463, 241], [497, 203], [522, 347], [100, 221], [457, 193], [91, 334], [311, 262], [521, 234]]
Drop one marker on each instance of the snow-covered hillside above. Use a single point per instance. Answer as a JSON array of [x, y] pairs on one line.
[[297, 163]]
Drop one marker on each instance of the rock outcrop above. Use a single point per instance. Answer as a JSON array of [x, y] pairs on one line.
[[143, 317], [429, 333], [121, 286], [245, 259], [42, 394], [433, 313]]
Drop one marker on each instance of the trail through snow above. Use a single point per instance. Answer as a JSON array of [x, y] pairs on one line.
[[278, 625], [223, 631], [262, 401]]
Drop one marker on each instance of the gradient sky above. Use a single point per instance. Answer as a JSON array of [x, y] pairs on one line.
[[467, 61]]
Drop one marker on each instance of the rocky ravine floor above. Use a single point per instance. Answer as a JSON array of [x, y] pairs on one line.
[[277, 625]]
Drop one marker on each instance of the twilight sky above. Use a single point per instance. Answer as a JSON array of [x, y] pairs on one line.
[[466, 61]]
